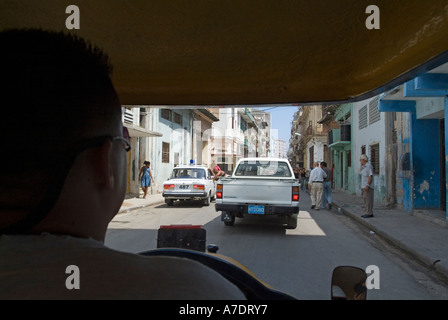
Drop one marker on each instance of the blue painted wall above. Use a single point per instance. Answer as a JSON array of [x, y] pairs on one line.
[[446, 155], [426, 162]]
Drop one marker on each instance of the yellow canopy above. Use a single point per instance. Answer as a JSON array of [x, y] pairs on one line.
[[209, 52]]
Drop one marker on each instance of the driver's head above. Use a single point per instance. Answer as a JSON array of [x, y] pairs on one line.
[[56, 93]]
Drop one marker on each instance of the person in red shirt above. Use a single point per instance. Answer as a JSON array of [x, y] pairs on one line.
[[217, 173]]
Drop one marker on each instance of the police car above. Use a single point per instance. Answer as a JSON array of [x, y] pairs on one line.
[[189, 182]]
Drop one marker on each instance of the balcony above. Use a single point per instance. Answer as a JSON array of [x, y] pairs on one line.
[[340, 138]]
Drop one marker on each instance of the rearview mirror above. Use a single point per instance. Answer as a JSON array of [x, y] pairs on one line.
[[348, 283]]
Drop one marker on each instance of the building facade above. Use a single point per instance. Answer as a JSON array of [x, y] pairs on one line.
[[419, 112], [402, 131], [312, 139]]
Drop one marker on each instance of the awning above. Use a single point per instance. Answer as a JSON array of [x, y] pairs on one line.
[[207, 114], [409, 96], [135, 131]]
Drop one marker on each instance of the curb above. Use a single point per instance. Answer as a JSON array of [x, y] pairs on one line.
[[423, 259], [124, 209]]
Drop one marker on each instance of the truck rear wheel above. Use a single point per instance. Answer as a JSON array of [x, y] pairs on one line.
[[291, 222]]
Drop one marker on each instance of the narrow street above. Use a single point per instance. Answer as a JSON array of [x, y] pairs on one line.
[[298, 262]]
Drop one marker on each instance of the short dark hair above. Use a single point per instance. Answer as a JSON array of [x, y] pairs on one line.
[[323, 163], [56, 88]]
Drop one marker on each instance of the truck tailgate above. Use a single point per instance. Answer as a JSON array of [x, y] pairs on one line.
[[257, 191]]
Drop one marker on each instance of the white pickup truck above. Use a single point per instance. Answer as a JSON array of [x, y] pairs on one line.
[[259, 186]]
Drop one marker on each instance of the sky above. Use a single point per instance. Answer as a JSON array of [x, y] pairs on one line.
[[281, 118]]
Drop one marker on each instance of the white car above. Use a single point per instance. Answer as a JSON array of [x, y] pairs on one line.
[[190, 182]]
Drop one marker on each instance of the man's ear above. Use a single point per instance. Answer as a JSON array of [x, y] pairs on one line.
[[103, 163]]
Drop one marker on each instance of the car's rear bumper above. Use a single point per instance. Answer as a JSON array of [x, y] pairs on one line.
[[184, 195]]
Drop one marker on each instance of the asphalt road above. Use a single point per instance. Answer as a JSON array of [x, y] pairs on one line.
[[298, 262]]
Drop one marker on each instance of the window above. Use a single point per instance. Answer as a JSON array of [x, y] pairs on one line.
[[374, 114], [311, 150], [375, 157], [166, 114], [363, 149], [263, 169], [189, 173], [363, 117], [128, 116], [177, 118], [165, 152]]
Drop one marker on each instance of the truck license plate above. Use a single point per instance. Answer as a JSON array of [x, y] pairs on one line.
[[255, 209]]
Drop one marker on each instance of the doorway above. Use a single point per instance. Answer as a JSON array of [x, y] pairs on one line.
[[341, 162], [442, 166]]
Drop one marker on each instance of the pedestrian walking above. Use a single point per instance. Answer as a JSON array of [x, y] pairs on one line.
[[327, 196], [303, 177], [145, 177], [367, 186], [317, 177], [296, 173]]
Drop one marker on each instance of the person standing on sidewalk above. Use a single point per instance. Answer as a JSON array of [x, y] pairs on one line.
[[327, 196], [367, 186], [145, 177], [317, 177]]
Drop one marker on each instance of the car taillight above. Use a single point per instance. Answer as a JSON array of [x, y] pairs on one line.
[[219, 191], [168, 186], [295, 193], [198, 186]]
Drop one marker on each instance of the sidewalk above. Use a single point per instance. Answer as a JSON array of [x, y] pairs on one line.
[[423, 236], [137, 203]]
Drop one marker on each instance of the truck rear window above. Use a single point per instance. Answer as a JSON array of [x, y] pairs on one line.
[[188, 173], [263, 169]]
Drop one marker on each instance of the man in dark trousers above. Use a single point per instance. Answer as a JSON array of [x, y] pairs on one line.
[[326, 195]]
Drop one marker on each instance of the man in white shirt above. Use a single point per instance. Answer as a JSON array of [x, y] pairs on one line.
[[367, 186], [317, 177]]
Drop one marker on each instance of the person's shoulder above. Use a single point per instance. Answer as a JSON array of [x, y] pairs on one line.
[[171, 278], [39, 264], [160, 277]]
